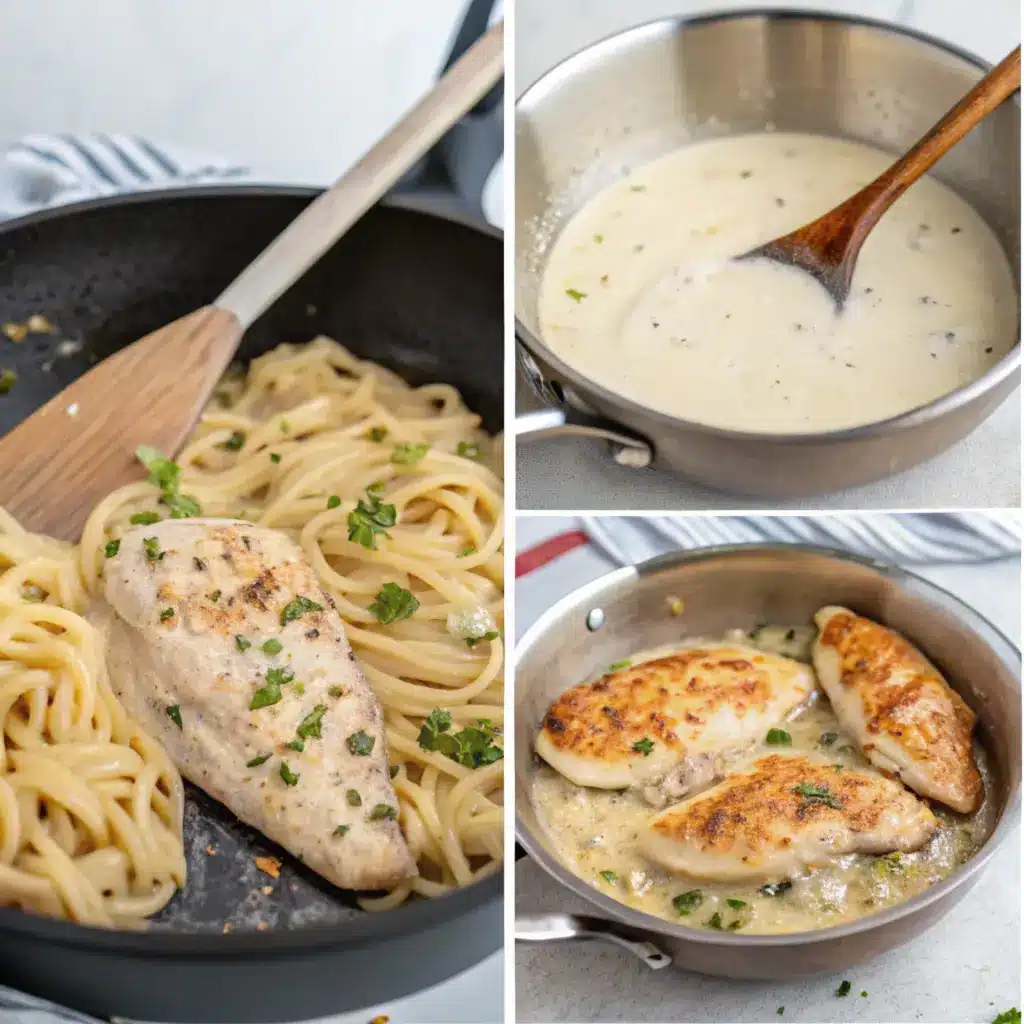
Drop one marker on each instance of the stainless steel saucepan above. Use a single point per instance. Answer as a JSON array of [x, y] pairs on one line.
[[739, 586], [649, 90]]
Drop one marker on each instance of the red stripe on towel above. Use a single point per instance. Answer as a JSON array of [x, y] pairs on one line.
[[547, 551]]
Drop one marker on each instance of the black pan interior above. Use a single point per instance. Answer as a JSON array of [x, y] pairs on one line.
[[419, 293]]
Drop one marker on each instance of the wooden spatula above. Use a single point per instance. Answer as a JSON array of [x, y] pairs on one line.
[[828, 247], [57, 464]]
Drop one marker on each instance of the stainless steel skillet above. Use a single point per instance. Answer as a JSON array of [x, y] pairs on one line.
[[639, 94], [739, 586]]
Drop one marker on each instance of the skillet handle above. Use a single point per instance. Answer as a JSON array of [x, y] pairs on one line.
[[569, 927], [628, 450]]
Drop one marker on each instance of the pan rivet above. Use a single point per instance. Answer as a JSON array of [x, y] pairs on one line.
[[595, 619]]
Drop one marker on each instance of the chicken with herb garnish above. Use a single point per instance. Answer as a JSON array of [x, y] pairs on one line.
[[908, 720], [781, 814], [669, 719], [223, 645]]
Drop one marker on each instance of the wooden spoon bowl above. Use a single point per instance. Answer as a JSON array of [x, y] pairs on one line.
[[828, 247]]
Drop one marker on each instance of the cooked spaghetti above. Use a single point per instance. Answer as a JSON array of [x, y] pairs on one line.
[[294, 444]]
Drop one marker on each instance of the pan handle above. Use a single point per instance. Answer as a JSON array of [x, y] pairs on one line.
[[628, 450], [569, 927]]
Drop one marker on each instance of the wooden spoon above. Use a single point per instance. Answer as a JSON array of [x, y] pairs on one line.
[[59, 463], [828, 247]]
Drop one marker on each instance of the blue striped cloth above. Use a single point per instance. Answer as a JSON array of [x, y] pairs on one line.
[[47, 170], [909, 538]]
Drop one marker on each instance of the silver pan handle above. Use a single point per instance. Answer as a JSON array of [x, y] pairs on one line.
[[570, 927], [627, 449]]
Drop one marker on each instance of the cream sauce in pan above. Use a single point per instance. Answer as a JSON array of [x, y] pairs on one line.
[[642, 296], [594, 832]]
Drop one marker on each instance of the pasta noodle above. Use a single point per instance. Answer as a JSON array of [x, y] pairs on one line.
[[90, 808]]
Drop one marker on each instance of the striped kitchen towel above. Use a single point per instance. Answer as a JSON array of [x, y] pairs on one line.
[[49, 170], [908, 538]]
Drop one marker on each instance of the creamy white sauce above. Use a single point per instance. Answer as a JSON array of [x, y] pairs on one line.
[[595, 833], [642, 294]]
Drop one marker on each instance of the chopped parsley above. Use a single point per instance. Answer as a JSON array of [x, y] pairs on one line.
[[360, 744], [257, 761], [335, 691], [8, 378], [468, 450], [266, 695], [616, 665], [393, 603], [778, 738], [736, 904], [843, 990], [280, 676], [167, 613], [687, 902], [271, 646], [333, 501], [235, 442], [781, 1010], [472, 641], [610, 877], [369, 518], [166, 475], [297, 608], [466, 551], [341, 830], [644, 746], [394, 770], [275, 458], [383, 812], [111, 548], [353, 798], [472, 747], [1011, 1016], [214, 596], [775, 888], [289, 777], [715, 921], [310, 727], [575, 295], [817, 794], [826, 739], [144, 519], [298, 745], [152, 548], [241, 643], [409, 453], [174, 714], [377, 433]]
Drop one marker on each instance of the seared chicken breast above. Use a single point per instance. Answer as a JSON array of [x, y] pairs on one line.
[[678, 713], [782, 814], [223, 645], [908, 720]]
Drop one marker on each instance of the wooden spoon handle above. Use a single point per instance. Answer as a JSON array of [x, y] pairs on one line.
[[324, 221], [998, 85]]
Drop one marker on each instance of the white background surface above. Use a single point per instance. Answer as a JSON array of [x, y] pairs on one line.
[[967, 968], [295, 89], [982, 471]]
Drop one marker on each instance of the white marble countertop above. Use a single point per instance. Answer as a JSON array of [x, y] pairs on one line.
[[982, 471], [966, 968]]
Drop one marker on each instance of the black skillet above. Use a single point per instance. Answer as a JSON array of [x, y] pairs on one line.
[[411, 287]]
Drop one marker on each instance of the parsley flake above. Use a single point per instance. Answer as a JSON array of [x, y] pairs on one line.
[[468, 450], [644, 746], [471, 747], [360, 744], [353, 798], [369, 518], [235, 442], [297, 608], [167, 613], [393, 603], [144, 519], [383, 812], [778, 738], [257, 761], [174, 714], [241, 643], [289, 777], [111, 548], [687, 902], [409, 453], [310, 727], [272, 646]]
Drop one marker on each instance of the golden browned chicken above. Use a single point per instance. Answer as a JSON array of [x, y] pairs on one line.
[[670, 715], [782, 814], [907, 719]]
